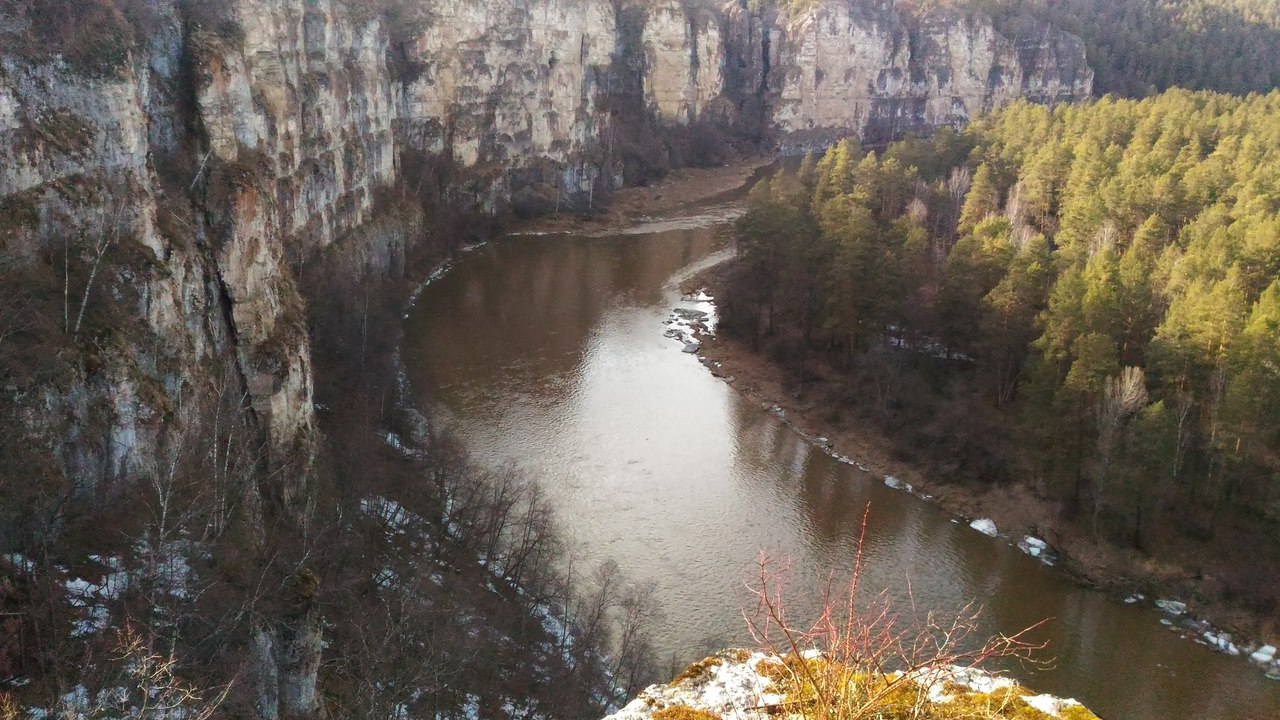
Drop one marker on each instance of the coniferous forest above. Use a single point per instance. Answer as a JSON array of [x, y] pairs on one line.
[[1083, 299]]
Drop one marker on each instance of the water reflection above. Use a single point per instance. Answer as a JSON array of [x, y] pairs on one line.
[[548, 352]]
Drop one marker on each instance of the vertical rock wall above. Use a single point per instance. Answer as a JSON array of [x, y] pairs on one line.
[[306, 87], [510, 82], [684, 61], [871, 70]]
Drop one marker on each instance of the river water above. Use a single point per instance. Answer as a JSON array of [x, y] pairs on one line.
[[548, 353]]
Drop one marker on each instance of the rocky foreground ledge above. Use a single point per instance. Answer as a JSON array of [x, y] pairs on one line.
[[745, 685]]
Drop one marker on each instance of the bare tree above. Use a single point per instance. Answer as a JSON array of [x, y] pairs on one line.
[[917, 210], [1182, 409], [155, 691], [1124, 395], [1105, 239], [958, 184], [100, 249]]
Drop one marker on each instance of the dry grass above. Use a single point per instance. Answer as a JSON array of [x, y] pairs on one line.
[[698, 671], [683, 712]]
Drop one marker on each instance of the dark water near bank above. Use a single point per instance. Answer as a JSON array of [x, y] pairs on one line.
[[548, 352]]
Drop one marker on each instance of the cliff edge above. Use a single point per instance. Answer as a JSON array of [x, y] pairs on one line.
[[744, 685]]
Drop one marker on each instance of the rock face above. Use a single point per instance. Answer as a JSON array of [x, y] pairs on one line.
[[866, 68], [231, 148], [515, 85], [160, 199], [684, 62]]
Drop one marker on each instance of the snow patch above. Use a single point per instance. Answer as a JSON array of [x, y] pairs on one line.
[[653, 225], [1220, 641], [731, 689], [19, 562], [985, 526], [440, 271], [165, 568], [695, 317], [897, 484], [1050, 705], [471, 708], [729, 685], [1037, 548]]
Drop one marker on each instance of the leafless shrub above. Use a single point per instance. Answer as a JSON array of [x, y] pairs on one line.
[[146, 685], [868, 659], [958, 184]]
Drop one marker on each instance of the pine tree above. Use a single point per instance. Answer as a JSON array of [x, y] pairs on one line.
[[983, 200]]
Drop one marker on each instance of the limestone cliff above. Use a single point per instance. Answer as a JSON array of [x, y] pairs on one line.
[[684, 58], [226, 147], [171, 169], [870, 69]]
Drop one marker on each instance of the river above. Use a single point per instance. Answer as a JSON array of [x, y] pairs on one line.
[[548, 353]]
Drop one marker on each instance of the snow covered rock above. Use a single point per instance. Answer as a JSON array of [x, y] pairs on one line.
[[985, 526], [1264, 654], [1220, 642], [746, 685], [1033, 546], [728, 684], [897, 484]]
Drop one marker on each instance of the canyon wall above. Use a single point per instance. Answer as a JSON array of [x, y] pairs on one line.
[[171, 170], [868, 69]]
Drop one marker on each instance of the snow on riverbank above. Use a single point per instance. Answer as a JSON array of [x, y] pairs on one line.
[[985, 526], [1179, 619], [695, 316], [1263, 655]]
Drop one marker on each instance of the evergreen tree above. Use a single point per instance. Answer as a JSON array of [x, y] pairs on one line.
[[1117, 312], [983, 200]]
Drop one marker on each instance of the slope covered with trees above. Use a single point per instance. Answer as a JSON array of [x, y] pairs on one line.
[[1137, 47], [1086, 299]]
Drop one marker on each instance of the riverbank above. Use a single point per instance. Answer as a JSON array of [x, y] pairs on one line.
[[1186, 573], [1200, 613], [679, 190]]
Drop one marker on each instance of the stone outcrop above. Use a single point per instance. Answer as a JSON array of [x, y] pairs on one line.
[[684, 62], [746, 685], [513, 85], [160, 201], [868, 69]]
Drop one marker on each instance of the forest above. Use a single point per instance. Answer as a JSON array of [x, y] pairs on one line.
[[1083, 299]]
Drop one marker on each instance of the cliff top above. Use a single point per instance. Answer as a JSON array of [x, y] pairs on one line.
[[746, 685]]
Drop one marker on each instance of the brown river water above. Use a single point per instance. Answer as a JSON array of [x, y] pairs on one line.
[[547, 352]]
